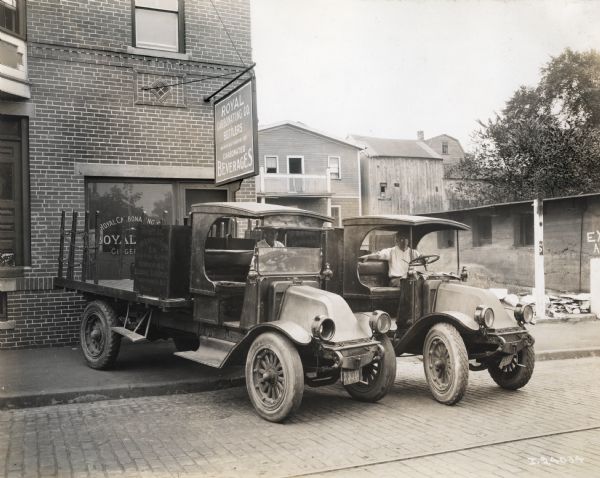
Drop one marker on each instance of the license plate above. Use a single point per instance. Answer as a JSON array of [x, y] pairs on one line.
[[350, 376]]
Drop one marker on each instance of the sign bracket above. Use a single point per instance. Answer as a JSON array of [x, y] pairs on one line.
[[237, 77]]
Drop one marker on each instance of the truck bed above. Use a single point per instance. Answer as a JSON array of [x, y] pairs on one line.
[[120, 289]]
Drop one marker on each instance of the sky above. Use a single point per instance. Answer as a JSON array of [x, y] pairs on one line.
[[389, 68]]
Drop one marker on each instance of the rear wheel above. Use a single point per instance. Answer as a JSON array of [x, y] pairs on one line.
[[446, 363], [517, 372], [99, 344], [377, 377], [274, 377]]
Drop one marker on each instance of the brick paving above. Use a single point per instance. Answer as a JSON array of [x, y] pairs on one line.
[[218, 433], [569, 454]]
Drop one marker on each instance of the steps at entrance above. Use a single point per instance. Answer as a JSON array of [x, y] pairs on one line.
[[129, 334], [211, 352]]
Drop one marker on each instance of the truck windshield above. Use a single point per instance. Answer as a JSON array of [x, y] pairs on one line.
[[289, 260]]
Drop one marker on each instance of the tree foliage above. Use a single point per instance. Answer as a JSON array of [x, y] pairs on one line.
[[546, 141]]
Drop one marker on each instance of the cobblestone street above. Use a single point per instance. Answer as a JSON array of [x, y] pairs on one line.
[[551, 427]]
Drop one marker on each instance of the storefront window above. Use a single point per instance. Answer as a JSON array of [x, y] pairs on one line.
[[121, 207]]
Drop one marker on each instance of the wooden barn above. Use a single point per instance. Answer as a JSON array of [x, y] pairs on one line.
[[400, 176]]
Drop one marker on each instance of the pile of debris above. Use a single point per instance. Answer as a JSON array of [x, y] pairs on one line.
[[554, 304], [568, 304]]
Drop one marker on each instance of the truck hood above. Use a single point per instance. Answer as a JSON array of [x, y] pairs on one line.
[[302, 304], [454, 297]]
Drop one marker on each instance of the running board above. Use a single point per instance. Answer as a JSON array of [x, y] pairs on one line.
[[211, 352], [129, 334]]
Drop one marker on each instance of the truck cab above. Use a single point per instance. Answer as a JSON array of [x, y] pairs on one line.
[[455, 327]]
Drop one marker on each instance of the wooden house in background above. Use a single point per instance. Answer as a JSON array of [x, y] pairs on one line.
[[400, 176], [306, 168]]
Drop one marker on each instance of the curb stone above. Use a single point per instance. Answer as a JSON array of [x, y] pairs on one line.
[[8, 402]]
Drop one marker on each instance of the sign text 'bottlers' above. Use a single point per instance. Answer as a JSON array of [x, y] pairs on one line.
[[236, 155]]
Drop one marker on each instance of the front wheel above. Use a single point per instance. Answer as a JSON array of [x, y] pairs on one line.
[[446, 363], [99, 344], [377, 377], [517, 373], [274, 377]]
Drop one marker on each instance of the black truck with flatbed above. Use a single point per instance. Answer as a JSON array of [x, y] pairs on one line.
[[227, 297]]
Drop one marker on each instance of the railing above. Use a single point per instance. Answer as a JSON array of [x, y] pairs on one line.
[[293, 184]]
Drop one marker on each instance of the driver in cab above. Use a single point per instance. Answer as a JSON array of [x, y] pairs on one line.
[[269, 239], [398, 258]]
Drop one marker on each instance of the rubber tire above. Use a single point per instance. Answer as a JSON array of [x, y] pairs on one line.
[[108, 318], [459, 360], [384, 380], [183, 344], [293, 376], [520, 376]]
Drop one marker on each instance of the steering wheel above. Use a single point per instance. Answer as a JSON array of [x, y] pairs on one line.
[[424, 260]]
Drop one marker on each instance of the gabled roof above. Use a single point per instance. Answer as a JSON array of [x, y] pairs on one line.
[[405, 148], [302, 126], [444, 135]]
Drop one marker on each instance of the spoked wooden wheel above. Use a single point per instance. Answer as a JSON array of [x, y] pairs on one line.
[[446, 363], [95, 336], [517, 372], [440, 365], [269, 378], [377, 377], [274, 376], [99, 344]]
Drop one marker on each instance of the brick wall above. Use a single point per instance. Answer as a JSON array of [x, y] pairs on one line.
[[247, 192], [90, 110], [43, 318]]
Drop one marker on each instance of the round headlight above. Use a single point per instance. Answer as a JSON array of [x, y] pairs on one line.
[[528, 313], [380, 322], [525, 313], [323, 327], [488, 317], [484, 316]]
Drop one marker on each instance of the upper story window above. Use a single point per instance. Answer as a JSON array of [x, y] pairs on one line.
[[335, 170], [159, 25], [382, 190], [295, 165], [444, 147], [12, 16], [271, 164]]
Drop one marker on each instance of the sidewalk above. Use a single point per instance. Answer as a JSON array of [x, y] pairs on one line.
[[35, 377]]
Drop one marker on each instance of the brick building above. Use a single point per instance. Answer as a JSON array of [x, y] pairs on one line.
[[309, 169], [102, 108]]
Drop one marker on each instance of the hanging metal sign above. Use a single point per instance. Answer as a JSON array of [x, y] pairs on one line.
[[236, 135]]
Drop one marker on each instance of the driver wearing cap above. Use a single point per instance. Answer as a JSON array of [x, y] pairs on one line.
[[398, 258]]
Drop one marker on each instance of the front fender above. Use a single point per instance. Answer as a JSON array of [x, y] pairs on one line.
[[412, 340], [301, 304], [297, 335]]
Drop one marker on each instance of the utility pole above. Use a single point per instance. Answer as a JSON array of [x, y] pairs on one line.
[[538, 251]]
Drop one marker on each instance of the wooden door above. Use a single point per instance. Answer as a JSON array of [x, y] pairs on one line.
[[11, 247]]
